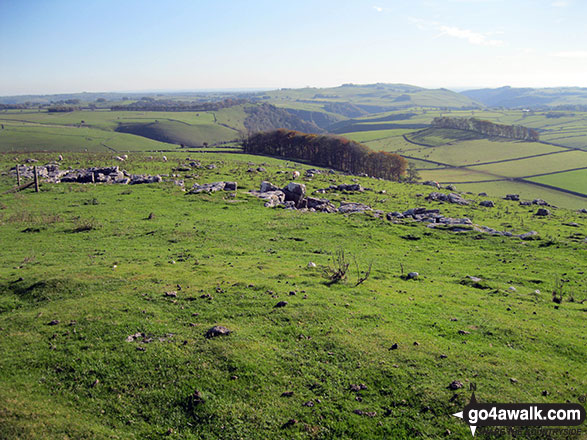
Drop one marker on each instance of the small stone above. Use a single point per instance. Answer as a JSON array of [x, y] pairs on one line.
[[463, 332], [413, 275], [416, 343], [545, 393], [443, 356], [54, 322], [290, 422], [309, 404], [280, 304], [311, 264], [217, 330], [171, 294], [287, 394], [512, 289], [394, 346], [513, 380], [455, 385]]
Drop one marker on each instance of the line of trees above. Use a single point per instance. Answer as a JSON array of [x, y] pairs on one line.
[[168, 105], [487, 128], [328, 151]]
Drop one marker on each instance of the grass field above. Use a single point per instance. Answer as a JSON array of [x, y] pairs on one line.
[[468, 153], [96, 130], [526, 191], [35, 137], [99, 258], [571, 180], [536, 165]]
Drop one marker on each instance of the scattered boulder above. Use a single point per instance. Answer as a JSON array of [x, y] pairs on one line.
[[295, 192], [450, 198], [213, 187], [412, 275], [217, 330], [532, 235], [513, 197], [540, 202], [455, 385], [230, 186], [272, 198], [280, 304], [542, 212], [268, 186], [351, 208], [322, 205], [487, 203]]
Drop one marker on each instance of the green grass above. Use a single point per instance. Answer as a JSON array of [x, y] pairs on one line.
[[537, 165], [43, 131], [572, 180], [370, 136], [484, 150], [527, 192], [34, 137], [81, 379]]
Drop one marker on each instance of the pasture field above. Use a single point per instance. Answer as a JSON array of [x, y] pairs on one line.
[[536, 165], [456, 175], [469, 153], [526, 191], [97, 130], [58, 138], [374, 135], [93, 347], [571, 180]]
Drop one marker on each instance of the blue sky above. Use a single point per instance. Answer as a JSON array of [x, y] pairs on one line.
[[126, 45]]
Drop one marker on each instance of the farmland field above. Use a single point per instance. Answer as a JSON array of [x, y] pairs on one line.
[[571, 180]]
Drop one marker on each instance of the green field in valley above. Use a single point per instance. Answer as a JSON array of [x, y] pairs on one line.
[[571, 180]]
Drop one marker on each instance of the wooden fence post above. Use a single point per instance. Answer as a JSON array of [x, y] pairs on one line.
[[17, 175], [36, 179]]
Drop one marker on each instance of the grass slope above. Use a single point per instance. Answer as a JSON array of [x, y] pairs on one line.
[[93, 258]]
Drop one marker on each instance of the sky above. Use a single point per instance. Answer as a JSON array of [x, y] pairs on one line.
[[62, 46]]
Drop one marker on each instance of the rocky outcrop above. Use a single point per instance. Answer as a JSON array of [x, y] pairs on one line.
[[52, 174], [487, 128], [213, 187], [449, 198]]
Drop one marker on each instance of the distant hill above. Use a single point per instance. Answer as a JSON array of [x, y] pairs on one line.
[[510, 97], [352, 100]]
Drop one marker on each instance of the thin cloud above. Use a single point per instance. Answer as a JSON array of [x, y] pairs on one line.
[[475, 38], [472, 37], [572, 54], [560, 4], [378, 8]]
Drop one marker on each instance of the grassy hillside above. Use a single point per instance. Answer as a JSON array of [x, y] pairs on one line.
[[190, 135], [96, 261]]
